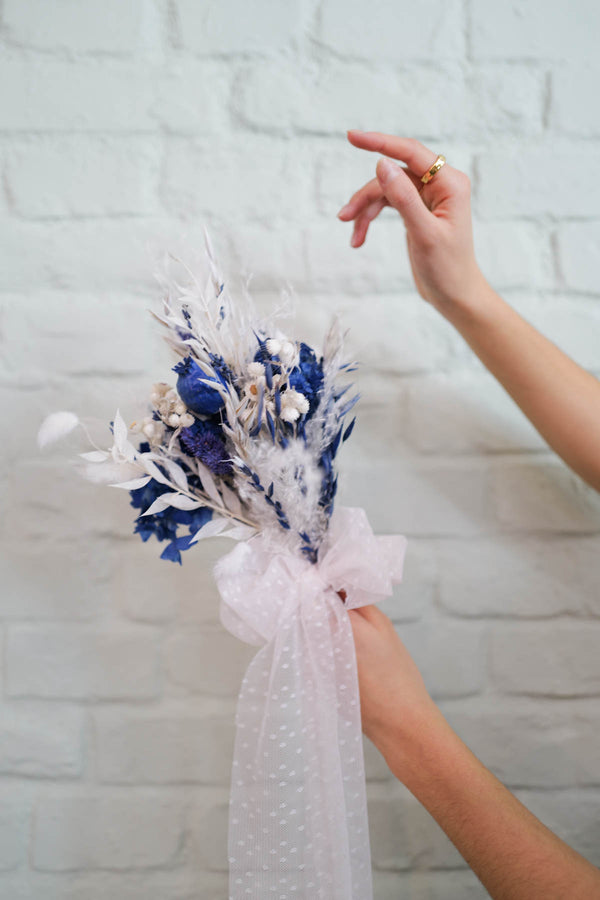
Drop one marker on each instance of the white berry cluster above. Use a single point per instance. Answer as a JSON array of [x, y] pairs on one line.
[[171, 409], [293, 403]]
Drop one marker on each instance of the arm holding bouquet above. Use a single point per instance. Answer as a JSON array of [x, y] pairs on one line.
[[513, 854], [560, 398]]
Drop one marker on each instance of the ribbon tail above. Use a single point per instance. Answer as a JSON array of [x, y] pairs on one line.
[[298, 823]]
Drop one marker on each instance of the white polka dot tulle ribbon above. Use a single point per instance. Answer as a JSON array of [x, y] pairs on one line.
[[298, 824]]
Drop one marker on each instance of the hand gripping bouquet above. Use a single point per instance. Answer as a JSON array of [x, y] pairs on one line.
[[244, 445]]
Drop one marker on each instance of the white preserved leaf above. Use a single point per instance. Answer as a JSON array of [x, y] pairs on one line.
[[231, 500], [119, 431], [180, 501], [153, 470], [112, 472], [134, 484], [213, 527], [239, 532], [56, 426], [176, 473], [95, 456], [159, 505], [208, 483]]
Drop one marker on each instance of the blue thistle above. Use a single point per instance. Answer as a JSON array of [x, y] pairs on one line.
[[204, 440], [199, 397]]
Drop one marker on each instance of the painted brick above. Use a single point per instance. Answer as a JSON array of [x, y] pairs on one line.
[[92, 254], [434, 30], [578, 248], [45, 497], [553, 659], [207, 824], [573, 108], [466, 412], [532, 743], [506, 99], [82, 26], [166, 591], [192, 97], [415, 595], [513, 255], [81, 663], [15, 810], [520, 577], [437, 499], [450, 655], [348, 96], [228, 28], [64, 581], [76, 830], [535, 30], [157, 747], [61, 95], [207, 662], [543, 496], [41, 742], [60, 177], [505, 189], [59, 323], [243, 181]]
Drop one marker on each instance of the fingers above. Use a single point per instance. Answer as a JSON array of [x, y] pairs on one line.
[[417, 157], [365, 195], [364, 219], [362, 198], [404, 196]]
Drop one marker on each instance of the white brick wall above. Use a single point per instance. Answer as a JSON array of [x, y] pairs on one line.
[[127, 126]]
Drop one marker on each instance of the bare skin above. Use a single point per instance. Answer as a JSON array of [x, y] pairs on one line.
[[559, 397], [514, 855]]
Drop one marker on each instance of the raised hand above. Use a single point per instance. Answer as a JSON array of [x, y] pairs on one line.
[[437, 215]]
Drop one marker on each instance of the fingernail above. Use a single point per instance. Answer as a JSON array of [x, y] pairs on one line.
[[386, 169], [354, 240], [344, 210], [355, 131]]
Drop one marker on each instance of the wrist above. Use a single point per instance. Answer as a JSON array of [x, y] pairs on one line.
[[414, 743], [470, 303]]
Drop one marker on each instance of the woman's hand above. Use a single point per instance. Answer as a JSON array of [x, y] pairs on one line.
[[395, 705], [437, 216]]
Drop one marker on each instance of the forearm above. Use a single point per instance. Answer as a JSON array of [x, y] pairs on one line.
[[514, 855], [560, 398]]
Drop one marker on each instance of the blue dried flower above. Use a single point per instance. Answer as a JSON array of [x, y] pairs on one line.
[[204, 440], [197, 396], [163, 525], [307, 377]]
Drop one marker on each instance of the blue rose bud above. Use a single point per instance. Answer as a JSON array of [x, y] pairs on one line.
[[199, 397]]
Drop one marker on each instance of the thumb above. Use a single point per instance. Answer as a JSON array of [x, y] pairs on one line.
[[402, 194]]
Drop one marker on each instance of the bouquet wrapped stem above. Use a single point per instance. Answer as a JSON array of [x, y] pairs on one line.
[[244, 446]]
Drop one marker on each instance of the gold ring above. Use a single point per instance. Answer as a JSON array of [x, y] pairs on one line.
[[426, 178]]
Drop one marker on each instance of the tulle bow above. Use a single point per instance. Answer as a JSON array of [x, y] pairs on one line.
[[298, 823]]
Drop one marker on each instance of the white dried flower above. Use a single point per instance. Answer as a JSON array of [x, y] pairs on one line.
[[150, 428], [255, 369], [287, 352], [293, 405]]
